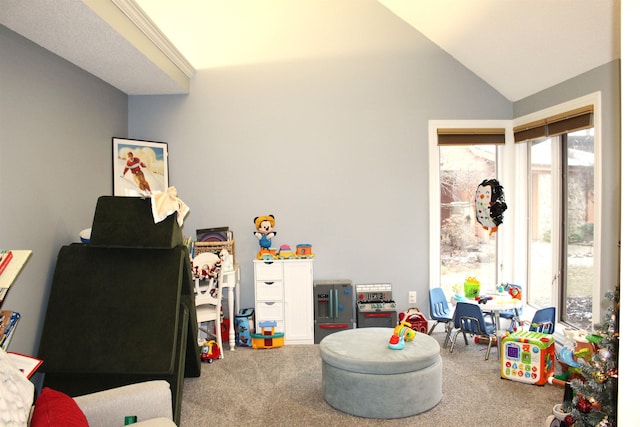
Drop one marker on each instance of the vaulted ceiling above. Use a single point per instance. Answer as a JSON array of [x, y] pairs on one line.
[[155, 47]]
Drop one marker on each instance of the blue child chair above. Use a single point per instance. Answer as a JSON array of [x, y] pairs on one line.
[[439, 311], [544, 320], [469, 319]]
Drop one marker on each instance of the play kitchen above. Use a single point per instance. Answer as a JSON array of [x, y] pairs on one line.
[[333, 305], [375, 306]]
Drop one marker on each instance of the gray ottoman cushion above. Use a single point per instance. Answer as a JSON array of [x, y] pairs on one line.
[[362, 376]]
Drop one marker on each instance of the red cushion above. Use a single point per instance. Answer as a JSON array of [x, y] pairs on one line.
[[54, 408]]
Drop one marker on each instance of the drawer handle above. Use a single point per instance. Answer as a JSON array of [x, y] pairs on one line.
[[269, 302], [269, 283], [334, 326]]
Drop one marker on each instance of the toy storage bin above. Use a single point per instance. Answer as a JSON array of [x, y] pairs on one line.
[[244, 322], [214, 247]]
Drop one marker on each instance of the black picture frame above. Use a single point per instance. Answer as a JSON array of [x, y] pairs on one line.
[[145, 173]]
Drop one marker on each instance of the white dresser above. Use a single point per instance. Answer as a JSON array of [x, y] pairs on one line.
[[284, 294]]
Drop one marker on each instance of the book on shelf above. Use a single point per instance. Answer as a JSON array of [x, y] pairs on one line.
[[216, 234], [13, 267], [8, 321], [5, 259], [28, 365]]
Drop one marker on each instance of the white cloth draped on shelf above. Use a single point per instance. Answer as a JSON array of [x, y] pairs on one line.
[[165, 203]]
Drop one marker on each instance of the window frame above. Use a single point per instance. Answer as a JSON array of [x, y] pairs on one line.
[[513, 234], [578, 103], [504, 240]]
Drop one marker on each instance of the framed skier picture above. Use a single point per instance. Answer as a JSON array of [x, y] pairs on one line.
[[140, 168]]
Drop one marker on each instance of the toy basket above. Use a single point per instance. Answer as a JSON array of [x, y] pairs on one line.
[[214, 247]]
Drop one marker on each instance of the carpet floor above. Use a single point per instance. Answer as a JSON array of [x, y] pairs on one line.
[[283, 387]]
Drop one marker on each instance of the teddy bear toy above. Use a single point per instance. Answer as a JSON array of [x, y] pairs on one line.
[[264, 233]]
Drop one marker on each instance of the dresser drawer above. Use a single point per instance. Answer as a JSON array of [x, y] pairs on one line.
[[269, 310], [267, 270], [269, 290]]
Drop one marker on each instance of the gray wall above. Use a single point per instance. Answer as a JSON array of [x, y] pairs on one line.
[[56, 124], [335, 148]]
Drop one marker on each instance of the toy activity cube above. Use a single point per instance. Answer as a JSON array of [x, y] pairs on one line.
[[528, 357]]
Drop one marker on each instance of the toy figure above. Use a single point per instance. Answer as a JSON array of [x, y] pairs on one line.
[[264, 233], [285, 252], [490, 204], [401, 333]]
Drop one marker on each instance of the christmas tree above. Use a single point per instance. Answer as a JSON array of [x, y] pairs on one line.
[[596, 390]]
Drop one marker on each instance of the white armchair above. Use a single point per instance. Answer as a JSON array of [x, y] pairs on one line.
[[149, 401]]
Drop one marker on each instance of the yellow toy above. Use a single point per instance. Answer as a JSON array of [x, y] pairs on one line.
[[268, 338], [401, 333]]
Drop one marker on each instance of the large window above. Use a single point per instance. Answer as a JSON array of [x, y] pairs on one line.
[[561, 267], [561, 207], [466, 156], [550, 241], [466, 248]]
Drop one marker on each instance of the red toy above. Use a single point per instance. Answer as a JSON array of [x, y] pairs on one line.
[[414, 317], [209, 351]]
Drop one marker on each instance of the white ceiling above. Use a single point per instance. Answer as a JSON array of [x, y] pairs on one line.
[[519, 47]]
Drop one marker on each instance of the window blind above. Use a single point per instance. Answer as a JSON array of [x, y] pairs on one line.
[[570, 121], [470, 136]]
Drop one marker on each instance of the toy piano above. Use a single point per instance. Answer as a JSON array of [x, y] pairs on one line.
[[527, 357]]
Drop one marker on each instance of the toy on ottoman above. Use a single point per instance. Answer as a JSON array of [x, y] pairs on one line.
[[362, 376]]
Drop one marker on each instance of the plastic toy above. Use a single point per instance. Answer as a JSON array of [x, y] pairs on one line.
[[285, 252], [579, 346], [268, 338], [264, 233], [415, 318], [485, 340], [303, 250], [209, 351], [471, 287], [514, 291], [401, 333], [482, 299], [527, 357], [490, 204]]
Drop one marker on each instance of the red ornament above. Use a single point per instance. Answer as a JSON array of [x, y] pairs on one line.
[[584, 406], [569, 420]]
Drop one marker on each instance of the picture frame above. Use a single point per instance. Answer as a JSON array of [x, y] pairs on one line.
[[140, 168]]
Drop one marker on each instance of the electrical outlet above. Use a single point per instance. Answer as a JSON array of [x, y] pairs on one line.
[[413, 298]]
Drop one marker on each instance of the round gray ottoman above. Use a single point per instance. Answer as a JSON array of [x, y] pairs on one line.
[[362, 376]]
